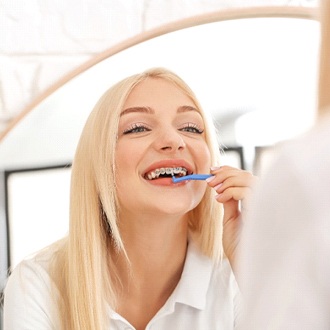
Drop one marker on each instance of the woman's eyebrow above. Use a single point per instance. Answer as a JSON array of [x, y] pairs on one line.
[[185, 108], [148, 110], [137, 109]]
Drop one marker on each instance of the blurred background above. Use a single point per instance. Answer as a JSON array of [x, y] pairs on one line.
[[253, 65]]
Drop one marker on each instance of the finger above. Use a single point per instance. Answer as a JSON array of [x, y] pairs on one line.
[[226, 172], [220, 177], [235, 193], [222, 168], [236, 181]]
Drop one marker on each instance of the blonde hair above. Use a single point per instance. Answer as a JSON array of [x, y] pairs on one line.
[[324, 65], [83, 270]]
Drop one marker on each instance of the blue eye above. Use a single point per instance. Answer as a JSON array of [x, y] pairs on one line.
[[136, 128], [192, 128]]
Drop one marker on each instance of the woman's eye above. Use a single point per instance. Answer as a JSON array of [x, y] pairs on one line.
[[192, 128], [136, 128]]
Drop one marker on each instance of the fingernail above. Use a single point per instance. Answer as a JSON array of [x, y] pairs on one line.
[[214, 168], [218, 196], [210, 178], [217, 186]]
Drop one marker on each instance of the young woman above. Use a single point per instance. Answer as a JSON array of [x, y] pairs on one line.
[[142, 252]]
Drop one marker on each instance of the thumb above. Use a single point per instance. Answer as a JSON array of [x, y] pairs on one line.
[[231, 210]]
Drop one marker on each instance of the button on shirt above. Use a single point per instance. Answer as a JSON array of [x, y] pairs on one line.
[[206, 297]]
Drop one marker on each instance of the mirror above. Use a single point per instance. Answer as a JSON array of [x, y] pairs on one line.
[[254, 70]]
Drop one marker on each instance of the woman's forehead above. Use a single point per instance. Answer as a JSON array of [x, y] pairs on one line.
[[155, 91]]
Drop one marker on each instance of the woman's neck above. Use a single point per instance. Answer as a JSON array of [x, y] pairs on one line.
[[156, 249], [152, 243]]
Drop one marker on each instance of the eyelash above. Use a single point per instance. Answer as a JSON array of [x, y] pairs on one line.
[[136, 128], [140, 128], [192, 128]]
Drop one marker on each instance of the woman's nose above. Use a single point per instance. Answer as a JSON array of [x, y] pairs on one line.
[[170, 141]]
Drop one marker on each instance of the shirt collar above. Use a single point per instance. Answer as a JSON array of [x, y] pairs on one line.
[[193, 285], [195, 279]]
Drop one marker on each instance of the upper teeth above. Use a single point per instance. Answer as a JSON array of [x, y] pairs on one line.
[[166, 170]]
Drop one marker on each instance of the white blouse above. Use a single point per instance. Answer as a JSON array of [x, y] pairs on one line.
[[206, 297]]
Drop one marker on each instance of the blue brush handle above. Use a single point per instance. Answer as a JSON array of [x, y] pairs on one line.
[[191, 177]]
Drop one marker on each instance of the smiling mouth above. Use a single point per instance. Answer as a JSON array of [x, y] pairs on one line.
[[166, 172]]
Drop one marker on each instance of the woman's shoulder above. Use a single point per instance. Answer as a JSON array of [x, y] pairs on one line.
[[38, 264], [29, 294], [223, 276], [31, 272], [217, 275]]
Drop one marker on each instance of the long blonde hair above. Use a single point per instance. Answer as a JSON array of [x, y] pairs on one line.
[[83, 270]]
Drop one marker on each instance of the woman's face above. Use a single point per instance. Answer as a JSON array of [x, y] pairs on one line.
[[159, 129]]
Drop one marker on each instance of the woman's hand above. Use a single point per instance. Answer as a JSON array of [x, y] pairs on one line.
[[233, 187]]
